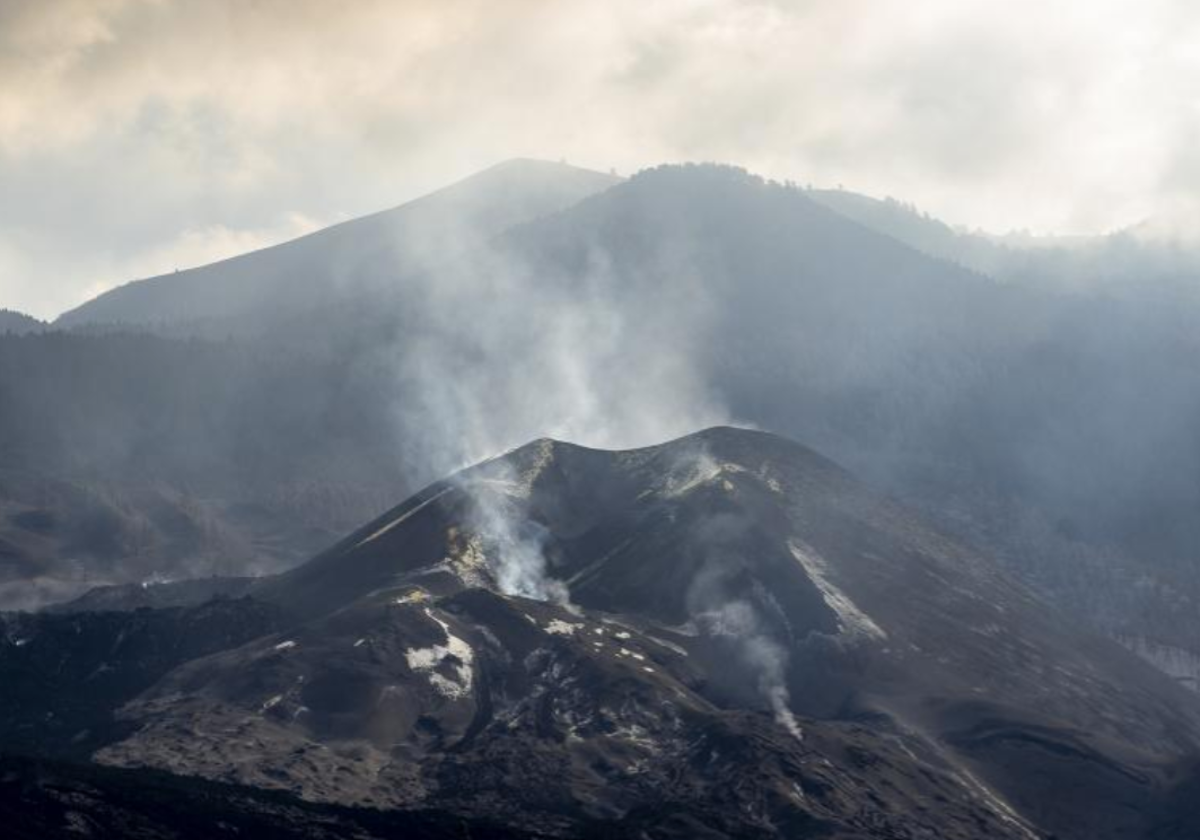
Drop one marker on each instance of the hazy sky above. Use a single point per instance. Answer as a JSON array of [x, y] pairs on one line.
[[137, 136]]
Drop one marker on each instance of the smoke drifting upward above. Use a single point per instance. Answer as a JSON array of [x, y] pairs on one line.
[[513, 542], [505, 352], [502, 352], [740, 622], [721, 603]]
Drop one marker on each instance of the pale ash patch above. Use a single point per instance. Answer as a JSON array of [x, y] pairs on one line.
[[416, 596], [465, 558], [405, 516], [543, 457], [697, 471], [994, 803], [460, 656], [851, 620], [558, 627], [520, 486], [1183, 665], [637, 736], [671, 646], [507, 486]]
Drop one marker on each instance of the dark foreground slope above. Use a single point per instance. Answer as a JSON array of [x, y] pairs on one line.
[[64, 677], [42, 800], [724, 636]]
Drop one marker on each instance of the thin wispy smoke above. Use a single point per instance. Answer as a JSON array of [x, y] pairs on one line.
[[506, 353], [729, 611], [513, 543], [739, 621]]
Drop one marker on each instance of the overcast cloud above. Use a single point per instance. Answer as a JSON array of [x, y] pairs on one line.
[[137, 136]]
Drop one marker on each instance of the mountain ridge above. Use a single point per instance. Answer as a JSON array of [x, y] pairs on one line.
[[491, 199], [727, 588], [18, 323]]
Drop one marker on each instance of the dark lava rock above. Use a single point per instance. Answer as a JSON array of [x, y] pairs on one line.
[[723, 636]]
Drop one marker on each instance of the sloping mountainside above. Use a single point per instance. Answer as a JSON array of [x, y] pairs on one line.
[[1149, 261], [64, 676], [723, 636], [348, 258], [60, 537], [41, 800], [18, 322], [904, 223]]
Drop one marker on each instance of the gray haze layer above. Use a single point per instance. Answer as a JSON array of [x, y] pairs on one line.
[[1050, 423]]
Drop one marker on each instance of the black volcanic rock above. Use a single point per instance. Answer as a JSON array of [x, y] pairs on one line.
[[154, 595], [731, 637], [64, 676], [42, 800]]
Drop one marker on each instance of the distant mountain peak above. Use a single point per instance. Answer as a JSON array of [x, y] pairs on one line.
[[529, 164], [310, 272]]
